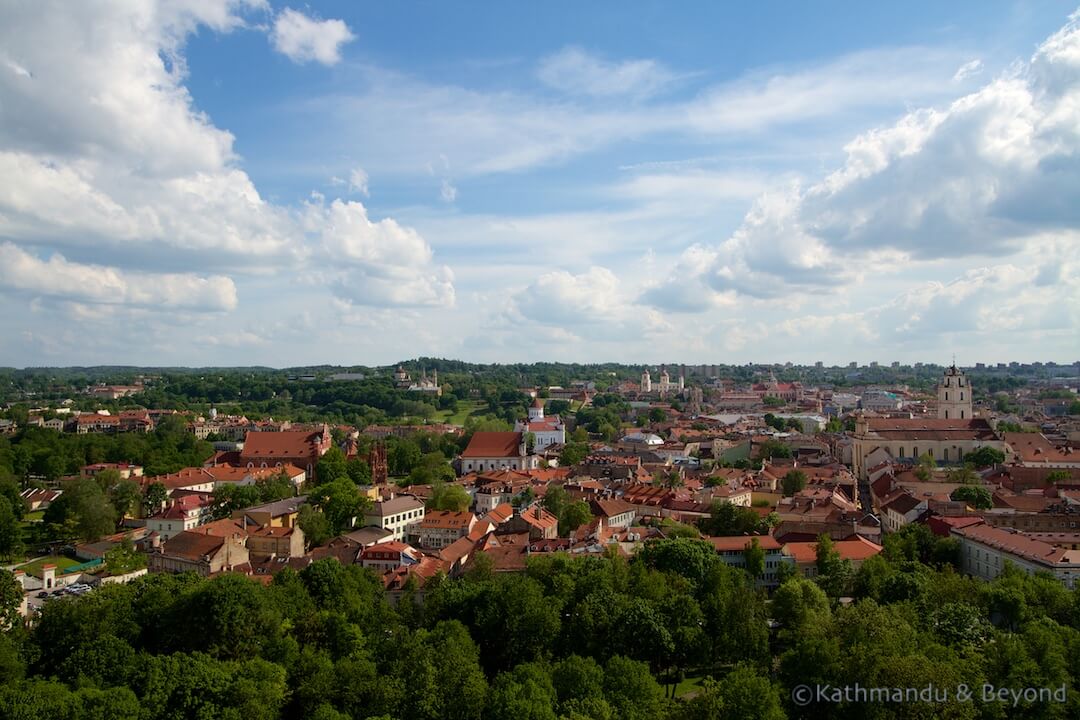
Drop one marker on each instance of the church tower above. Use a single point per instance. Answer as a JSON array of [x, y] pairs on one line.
[[646, 382], [536, 412], [954, 395]]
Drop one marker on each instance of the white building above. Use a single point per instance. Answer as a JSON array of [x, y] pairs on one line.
[[546, 430], [400, 515], [985, 549], [489, 451]]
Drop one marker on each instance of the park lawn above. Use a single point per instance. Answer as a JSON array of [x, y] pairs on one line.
[[59, 561], [690, 685], [465, 409]]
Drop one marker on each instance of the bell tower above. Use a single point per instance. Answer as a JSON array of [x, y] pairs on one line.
[[954, 395]]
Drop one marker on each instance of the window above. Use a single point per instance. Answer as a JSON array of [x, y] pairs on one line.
[[961, 414], [901, 452], [946, 395], [946, 414], [945, 454], [961, 397]]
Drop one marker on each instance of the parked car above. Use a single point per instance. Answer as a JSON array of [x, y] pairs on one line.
[[43, 594], [58, 591]]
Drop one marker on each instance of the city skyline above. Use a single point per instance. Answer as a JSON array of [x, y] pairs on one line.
[[254, 183]]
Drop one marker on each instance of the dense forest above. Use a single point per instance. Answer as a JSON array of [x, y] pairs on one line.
[[582, 637]]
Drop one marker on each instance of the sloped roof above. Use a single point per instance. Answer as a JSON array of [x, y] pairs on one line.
[[192, 545], [485, 444], [282, 444]]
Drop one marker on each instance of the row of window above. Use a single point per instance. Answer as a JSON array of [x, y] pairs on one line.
[[402, 517], [930, 452]]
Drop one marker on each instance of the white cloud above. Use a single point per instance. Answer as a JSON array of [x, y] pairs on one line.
[[358, 181], [856, 82], [968, 69], [117, 166], [409, 123], [972, 179], [95, 284], [447, 191], [577, 72], [303, 39], [379, 263]]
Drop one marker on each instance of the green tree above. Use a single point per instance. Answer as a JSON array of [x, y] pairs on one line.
[[631, 690], [332, 466], [524, 693], [773, 449], [799, 604], [340, 501], [975, 495], [834, 573], [742, 693], [555, 499], [754, 557], [359, 471], [985, 457], [573, 453], [431, 468], [1056, 476], [11, 597], [965, 475], [793, 481], [89, 507], [125, 496], [124, 558], [574, 515], [450, 497], [155, 497], [727, 519], [11, 542], [924, 470]]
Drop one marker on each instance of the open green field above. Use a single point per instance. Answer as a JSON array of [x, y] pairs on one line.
[[59, 561], [691, 685], [465, 409], [36, 516]]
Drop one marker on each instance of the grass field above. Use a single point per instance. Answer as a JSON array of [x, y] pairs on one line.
[[36, 516], [59, 561], [465, 409], [691, 685]]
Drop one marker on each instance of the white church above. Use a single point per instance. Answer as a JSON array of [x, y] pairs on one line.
[[548, 430]]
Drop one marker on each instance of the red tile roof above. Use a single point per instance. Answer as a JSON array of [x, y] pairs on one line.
[[493, 445], [741, 542]]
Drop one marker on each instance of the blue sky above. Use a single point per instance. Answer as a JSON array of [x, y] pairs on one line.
[[251, 182]]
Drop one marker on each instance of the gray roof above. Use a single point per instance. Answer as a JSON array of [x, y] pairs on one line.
[[369, 535], [280, 507], [395, 505]]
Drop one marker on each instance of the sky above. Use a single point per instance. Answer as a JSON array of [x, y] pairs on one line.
[[251, 182]]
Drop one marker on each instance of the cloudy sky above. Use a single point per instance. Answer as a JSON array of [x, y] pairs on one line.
[[214, 182]]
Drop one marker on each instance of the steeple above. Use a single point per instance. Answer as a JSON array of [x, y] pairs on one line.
[[954, 395]]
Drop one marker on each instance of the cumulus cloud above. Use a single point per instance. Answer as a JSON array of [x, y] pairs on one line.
[[975, 178], [95, 284], [380, 263], [107, 143], [117, 167], [577, 72], [304, 39]]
